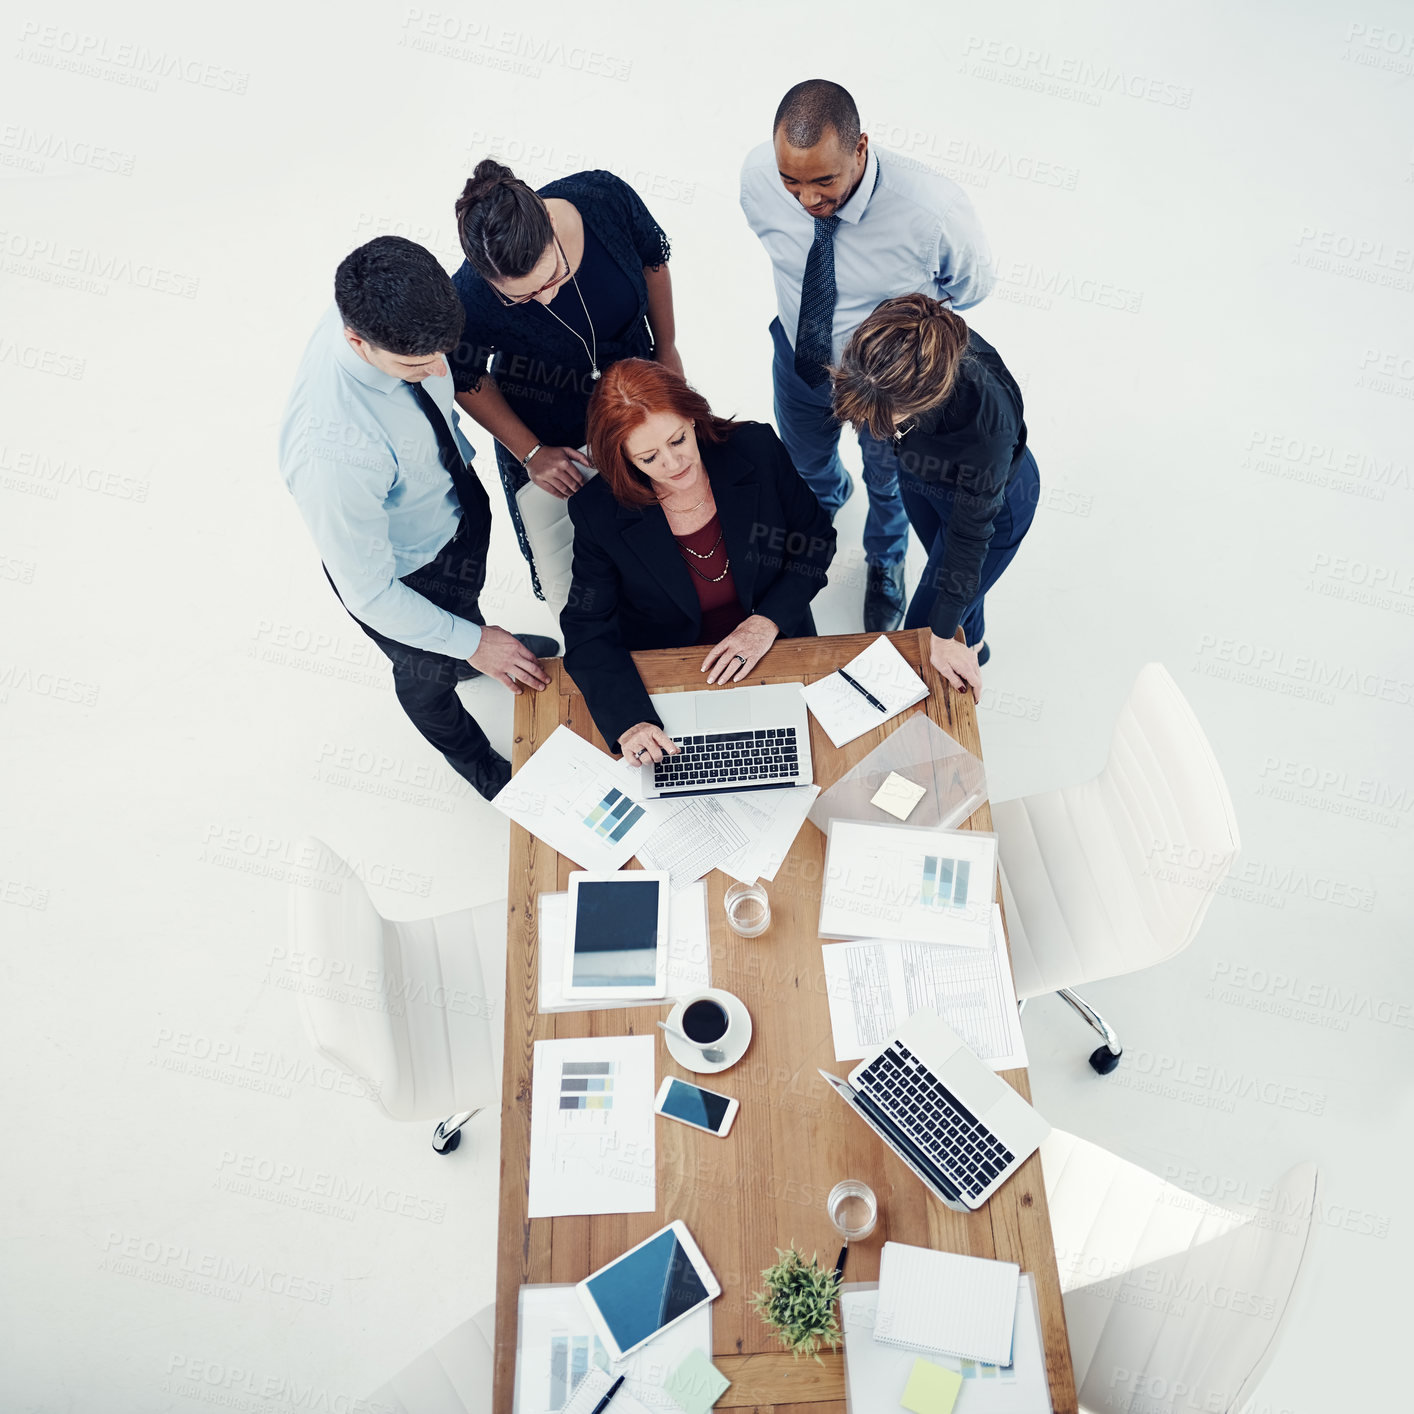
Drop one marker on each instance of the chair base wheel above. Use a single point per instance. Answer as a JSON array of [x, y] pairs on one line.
[[1103, 1060], [451, 1142]]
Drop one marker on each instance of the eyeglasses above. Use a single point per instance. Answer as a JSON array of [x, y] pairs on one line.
[[557, 279]]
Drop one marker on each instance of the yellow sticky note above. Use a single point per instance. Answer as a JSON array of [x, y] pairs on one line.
[[931, 1389]]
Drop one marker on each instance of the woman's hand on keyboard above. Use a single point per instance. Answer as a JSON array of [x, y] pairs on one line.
[[740, 651], [645, 743]]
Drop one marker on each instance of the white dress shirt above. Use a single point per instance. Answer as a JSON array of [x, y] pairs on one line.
[[915, 232], [360, 459]]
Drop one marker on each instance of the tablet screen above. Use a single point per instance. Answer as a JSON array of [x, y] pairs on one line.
[[616, 933], [642, 1292]]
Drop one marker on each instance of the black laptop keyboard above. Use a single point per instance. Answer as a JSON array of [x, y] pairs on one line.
[[935, 1120], [727, 758]]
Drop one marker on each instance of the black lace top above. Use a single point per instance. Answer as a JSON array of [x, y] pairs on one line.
[[540, 367]]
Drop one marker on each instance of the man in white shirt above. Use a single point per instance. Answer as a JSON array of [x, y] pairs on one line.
[[847, 226], [371, 451]]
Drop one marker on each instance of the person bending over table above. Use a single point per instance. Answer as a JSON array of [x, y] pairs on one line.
[[914, 372], [557, 285], [698, 530]]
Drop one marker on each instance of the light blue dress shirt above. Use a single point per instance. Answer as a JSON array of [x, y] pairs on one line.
[[916, 232], [360, 459]]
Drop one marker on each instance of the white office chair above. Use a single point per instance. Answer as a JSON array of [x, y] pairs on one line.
[[1171, 1302], [1116, 874], [453, 1377], [401, 1005], [551, 535]]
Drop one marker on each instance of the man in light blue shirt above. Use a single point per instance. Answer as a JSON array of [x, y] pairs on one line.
[[372, 453], [847, 226]]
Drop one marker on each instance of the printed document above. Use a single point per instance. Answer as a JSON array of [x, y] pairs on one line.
[[577, 799], [591, 1127], [875, 985]]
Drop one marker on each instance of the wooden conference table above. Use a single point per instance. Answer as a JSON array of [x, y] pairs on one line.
[[765, 1184]]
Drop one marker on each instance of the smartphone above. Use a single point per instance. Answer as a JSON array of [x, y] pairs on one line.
[[691, 1104]]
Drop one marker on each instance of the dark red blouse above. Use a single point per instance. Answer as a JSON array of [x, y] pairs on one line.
[[722, 610]]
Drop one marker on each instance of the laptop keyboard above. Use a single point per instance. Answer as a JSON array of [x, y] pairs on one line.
[[935, 1120], [727, 758]]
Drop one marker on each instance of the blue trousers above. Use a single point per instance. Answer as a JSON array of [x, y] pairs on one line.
[[929, 507], [812, 436]]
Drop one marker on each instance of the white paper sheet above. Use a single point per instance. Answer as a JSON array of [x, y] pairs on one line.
[[875, 985], [695, 835], [557, 1347], [579, 801], [771, 819], [743, 833], [689, 950], [591, 1127], [915, 885], [844, 712], [876, 1375]]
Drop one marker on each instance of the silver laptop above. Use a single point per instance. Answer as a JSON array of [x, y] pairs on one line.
[[735, 738], [959, 1126]]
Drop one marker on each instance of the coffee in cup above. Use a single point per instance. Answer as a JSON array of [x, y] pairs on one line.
[[705, 1021]]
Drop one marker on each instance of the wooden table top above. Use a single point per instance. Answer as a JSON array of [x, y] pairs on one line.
[[765, 1184]]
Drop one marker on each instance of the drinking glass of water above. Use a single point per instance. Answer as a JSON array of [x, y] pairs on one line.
[[853, 1209], [748, 910]]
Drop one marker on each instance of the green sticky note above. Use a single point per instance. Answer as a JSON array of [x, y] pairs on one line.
[[697, 1384], [931, 1389]]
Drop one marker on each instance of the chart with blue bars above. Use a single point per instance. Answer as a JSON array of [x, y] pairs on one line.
[[587, 1085], [944, 882], [571, 1355], [614, 816]]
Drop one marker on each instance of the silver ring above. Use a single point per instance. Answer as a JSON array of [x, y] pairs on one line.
[[739, 659], [638, 755]]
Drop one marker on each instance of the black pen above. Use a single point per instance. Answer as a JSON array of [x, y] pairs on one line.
[[868, 696], [613, 1390]]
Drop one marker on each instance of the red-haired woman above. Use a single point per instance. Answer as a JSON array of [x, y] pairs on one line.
[[698, 530]]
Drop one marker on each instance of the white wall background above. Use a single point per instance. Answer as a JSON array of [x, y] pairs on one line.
[[1203, 217]]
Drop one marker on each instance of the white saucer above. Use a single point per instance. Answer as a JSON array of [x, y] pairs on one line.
[[738, 1030]]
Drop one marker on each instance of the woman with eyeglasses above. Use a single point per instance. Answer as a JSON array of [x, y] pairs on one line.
[[558, 285], [914, 372]]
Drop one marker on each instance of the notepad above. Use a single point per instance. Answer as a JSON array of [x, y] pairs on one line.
[[941, 1303], [881, 671], [931, 1389]]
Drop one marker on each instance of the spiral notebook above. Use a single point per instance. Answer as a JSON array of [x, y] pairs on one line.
[[941, 1303]]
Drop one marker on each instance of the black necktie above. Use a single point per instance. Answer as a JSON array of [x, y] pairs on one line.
[[470, 492], [815, 332]]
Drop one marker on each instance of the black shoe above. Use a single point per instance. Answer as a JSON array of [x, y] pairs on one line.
[[884, 598], [540, 646], [983, 653], [489, 773]]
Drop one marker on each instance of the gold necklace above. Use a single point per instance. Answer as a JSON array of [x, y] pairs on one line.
[[711, 578], [697, 554]]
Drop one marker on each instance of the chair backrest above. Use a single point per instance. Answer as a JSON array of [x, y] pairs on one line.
[[1116, 874], [551, 535], [1171, 815], [401, 1005], [1171, 1302], [453, 1377]]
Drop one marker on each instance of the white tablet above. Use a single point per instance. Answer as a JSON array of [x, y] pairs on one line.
[[651, 1287], [616, 939]]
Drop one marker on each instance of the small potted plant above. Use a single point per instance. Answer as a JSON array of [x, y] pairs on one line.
[[800, 1303]]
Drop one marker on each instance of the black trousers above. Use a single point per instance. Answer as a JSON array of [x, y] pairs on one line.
[[426, 683]]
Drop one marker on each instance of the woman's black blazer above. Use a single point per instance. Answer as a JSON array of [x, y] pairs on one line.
[[632, 589]]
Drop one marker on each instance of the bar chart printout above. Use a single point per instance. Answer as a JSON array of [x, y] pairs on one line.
[[614, 816], [944, 882], [587, 1085]]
